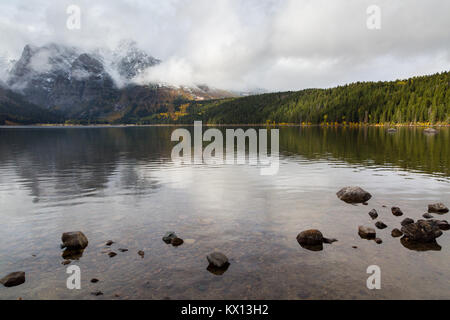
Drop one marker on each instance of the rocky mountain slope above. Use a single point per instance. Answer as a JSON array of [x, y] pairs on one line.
[[96, 86]]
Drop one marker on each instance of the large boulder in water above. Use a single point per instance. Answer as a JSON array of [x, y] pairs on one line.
[[13, 279], [437, 208], [353, 195], [422, 231], [74, 240]]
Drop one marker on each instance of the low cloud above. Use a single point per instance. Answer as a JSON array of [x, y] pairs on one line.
[[242, 45]]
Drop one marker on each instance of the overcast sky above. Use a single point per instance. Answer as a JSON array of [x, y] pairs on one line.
[[248, 44]]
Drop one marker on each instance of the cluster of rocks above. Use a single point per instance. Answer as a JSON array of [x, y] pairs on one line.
[[422, 231], [171, 238]]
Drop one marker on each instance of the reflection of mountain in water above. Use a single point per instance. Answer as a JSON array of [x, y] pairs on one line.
[[81, 161]]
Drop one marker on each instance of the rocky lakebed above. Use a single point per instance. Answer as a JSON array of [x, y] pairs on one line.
[[417, 235]]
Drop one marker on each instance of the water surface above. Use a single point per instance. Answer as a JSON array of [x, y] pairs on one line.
[[120, 184]]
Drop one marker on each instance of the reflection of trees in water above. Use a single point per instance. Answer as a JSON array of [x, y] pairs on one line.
[[76, 161], [408, 148]]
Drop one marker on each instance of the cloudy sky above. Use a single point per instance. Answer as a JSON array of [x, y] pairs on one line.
[[248, 44]]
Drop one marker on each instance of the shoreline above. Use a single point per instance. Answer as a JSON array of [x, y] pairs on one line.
[[56, 125]]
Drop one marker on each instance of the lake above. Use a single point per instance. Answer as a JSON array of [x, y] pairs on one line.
[[120, 184]]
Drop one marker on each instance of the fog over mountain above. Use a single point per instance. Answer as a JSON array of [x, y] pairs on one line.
[[243, 45]]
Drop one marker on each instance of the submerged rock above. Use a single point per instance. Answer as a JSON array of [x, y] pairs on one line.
[[422, 231], [141, 253], [97, 293], [217, 271], [396, 211], [74, 240], [217, 259], [13, 279], [66, 262], [443, 225], [427, 216], [72, 254], [420, 246], [177, 242], [373, 214], [406, 221], [366, 232], [123, 250], [329, 240], [353, 195], [112, 254], [396, 233], [169, 236], [94, 280], [378, 240], [109, 242], [380, 225], [310, 237], [437, 208]]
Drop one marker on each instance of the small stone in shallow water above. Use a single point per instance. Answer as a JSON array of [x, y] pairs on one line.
[[310, 237], [74, 240], [407, 221], [437, 208], [112, 254], [141, 253], [13, 279], [373, 214], [354, 247], [97, 293], [169, 236], [380, 225], [396, 211], [427, 216], [366, 232], [443, 225], [94, 280], [396, 233], [177, 242], [109, 242], [378, 240], [217, 259], [123, 250]]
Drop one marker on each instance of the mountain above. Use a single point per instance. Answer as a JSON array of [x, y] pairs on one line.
[[14, 109], [97, 85], [130, 61]]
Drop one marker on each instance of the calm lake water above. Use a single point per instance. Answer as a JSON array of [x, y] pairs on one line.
[[120, 184]]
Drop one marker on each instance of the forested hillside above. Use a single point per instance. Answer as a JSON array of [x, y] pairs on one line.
[[423, 99]]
